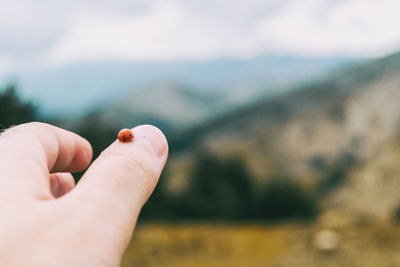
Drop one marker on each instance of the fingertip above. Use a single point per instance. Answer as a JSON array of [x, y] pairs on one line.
[[83, 155], [154, 138], [88, 151]]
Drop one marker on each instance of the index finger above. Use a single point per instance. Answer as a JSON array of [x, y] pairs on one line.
[[29, 152]]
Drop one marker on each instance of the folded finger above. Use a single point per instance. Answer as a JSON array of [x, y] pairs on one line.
[[29, 152], [61, 183]]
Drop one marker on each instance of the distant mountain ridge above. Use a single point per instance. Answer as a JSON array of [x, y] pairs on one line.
[[80, 87], [169, 105]]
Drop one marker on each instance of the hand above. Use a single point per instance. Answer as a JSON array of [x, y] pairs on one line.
[[47, 221]]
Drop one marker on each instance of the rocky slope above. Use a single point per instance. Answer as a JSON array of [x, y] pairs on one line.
[[308, 133]]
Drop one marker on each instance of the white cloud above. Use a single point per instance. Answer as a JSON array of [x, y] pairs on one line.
[[358, 28], [194, 30], [160, 34], [166, 32]]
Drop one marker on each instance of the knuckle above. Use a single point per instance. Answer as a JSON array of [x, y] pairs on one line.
[[35, 124], [33, 137], [27, 128], [32, 125]]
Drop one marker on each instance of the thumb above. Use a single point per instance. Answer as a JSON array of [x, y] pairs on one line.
[[121, 179]]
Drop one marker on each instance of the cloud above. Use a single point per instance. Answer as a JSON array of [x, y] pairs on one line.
[[160, 34], [52, 33], [168, 31], [357, 28]]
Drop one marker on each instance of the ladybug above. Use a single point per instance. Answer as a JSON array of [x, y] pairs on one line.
[[125, 136]]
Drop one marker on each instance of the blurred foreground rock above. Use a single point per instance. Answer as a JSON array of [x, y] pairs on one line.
[[326, 240]]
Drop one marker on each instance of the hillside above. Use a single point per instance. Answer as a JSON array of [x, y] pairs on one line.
[[308, 134], [372, 189], [167, 105]]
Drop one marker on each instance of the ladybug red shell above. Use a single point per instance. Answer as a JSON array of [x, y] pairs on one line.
[[125, 136]]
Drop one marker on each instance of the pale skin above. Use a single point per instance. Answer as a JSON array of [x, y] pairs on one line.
[[47, 220]]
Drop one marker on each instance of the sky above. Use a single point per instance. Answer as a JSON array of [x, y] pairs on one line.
[[44, 33]]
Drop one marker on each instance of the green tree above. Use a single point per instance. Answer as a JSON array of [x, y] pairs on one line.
[[218, 188], [13, 111], [282, 198]]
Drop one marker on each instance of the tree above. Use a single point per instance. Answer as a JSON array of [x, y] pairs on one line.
[[284, 199], [218, 188], [13, 111]]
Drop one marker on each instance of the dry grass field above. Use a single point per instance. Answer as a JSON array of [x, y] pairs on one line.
[[207, 244]]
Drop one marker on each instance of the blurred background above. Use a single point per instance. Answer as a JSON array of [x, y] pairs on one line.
[[283, 118]]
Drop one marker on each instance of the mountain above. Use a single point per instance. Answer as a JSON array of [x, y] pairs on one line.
[[372, 189], [167, 106], [330, 136], [74, 89]]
